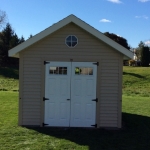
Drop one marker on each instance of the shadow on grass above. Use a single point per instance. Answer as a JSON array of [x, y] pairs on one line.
[[9, 72], [135, 135], [133, 74]]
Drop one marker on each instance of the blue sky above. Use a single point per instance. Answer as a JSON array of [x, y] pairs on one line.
[[127, 18]]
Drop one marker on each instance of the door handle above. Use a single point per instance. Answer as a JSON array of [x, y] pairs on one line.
[[68, 99]]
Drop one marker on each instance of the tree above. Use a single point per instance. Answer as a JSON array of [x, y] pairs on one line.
[[143, 54], [141, 44], [30, 36], [21, 40], [138, 50], [120, 40], [8, 40], [2, 17]]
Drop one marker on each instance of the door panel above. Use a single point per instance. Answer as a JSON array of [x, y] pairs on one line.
[[83, 91], [57, 90]]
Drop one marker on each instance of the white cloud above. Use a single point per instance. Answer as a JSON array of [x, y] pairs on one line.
[[104, 20], [143, 1], [144, 17], [137, 16], [118, 35], [147, 42], [115, 1]]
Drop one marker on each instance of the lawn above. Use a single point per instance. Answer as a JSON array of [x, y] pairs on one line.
[[135, 134], [9, 79], [136, 81]]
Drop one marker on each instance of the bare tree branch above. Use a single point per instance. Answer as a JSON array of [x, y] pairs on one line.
[[2, 17]]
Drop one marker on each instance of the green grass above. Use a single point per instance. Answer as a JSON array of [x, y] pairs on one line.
[[9, 79], [136, 81], [135, 134], [136, 105]]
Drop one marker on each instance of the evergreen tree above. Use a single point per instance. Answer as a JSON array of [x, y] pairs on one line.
[[141, 44], [21, 40], [13, 41], [8, 40], [30, 36], [144, 54]]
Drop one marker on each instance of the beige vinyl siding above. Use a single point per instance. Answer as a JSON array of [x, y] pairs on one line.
[[53, 48], [109, 90], [31, 92]]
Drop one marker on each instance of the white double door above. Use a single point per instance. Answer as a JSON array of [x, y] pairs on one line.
[[70, 90]]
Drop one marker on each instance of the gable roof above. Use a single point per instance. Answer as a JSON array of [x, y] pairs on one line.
[[14, 52]]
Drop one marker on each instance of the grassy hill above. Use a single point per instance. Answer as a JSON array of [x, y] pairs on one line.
[[136, 81], [9, 79]]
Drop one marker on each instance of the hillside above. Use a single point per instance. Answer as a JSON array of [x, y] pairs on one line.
[[136, 80], [9, 79]]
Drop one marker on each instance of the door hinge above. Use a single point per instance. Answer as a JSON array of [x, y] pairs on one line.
[[97, 63], [94, 125], [44, 124], [96, 100], [44, 99], [46, 62]]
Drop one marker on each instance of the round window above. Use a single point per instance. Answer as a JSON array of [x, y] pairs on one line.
[[71, 41]]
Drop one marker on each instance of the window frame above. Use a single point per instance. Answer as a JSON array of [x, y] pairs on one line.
[[71, 41]]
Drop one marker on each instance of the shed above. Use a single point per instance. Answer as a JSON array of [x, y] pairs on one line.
[[70, 75]]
